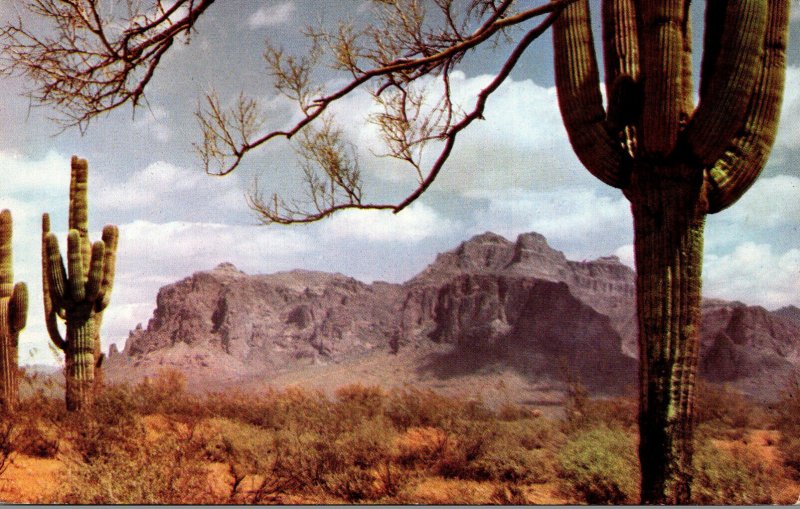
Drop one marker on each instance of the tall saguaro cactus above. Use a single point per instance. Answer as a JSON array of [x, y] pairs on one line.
[[80, 292], [675, 163], [13, 315]]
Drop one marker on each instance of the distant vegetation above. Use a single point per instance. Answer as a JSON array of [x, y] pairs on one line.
[[157, 443]]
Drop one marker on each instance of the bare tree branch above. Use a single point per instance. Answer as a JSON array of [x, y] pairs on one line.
[[404, 59], [93, 61]]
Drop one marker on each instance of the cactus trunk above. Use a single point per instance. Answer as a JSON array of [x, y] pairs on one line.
[[9, 371], [13, 315], [80, 373], [669, 216]]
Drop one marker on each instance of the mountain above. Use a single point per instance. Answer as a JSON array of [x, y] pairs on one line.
[[790, 312], [489, 311]]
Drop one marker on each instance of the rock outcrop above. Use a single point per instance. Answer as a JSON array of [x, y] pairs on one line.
[[521, 304]]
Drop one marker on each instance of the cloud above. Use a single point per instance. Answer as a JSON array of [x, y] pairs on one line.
[[413, 224], [754, 274], [164, 191], [155, 122], [521, 143], [271, 16], [23, 176], [788, 137], [625, 255], [768, 213], [770, 203], [585, 223]]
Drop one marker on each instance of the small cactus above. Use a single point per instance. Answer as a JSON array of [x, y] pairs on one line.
[[79, 292], [13, 315]]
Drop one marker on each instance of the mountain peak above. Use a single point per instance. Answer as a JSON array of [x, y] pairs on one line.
[[486, 238], [227, 267]]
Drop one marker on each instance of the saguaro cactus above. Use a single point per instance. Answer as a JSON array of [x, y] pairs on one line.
[[675, 163], [13, 315], [80, 292]]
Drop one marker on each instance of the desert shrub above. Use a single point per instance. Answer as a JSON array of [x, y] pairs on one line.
[[534, 433], [493, 450], [163, 471], [236, 443], [367, 445], [724, 412], [255, 409], [520, 451], [509, 464], [613, 412], [470, 440], [353, 464], [583, 413], [353, 484], [786, 420], [420, 408], [302, 458], [421, 446], [790, 450], [8, 434], [304, 410], [600, 466], [112, 427], [166, 394], [363, 469], [37, 441], [731, 477], [356, 403]]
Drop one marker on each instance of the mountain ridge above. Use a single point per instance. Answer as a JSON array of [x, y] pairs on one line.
[[520, 304]]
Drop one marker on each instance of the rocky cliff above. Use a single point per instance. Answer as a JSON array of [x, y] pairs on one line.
[[520, 304]]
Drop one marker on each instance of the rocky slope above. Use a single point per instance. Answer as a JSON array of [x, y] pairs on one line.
[[518, 306]]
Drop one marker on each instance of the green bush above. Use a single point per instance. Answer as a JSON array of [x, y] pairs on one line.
[[600, 466], [730, 477]]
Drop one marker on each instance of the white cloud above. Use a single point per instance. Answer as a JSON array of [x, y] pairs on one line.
[[789, 128], [413, 224], [771, 202], [584, 223], [522, 142], [271, 16], [174, 248], [626, 256], [754, 274], [155, 122], [162, 190], [23, 176], [769, 213]]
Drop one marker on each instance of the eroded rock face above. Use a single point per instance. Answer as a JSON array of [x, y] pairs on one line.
[[257, 323], [521, 302]]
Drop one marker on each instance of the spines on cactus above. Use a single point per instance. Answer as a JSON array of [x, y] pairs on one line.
[[78, 292], [13, 315]]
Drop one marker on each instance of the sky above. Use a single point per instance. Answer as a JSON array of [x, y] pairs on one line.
[[511, 173]]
